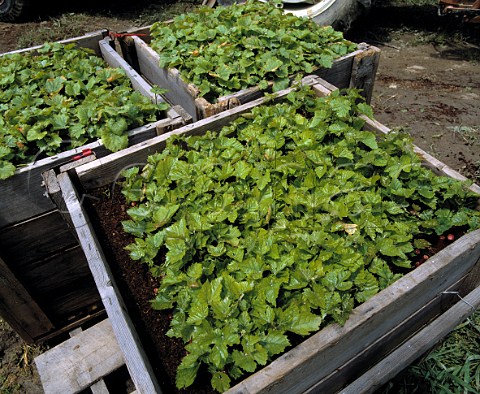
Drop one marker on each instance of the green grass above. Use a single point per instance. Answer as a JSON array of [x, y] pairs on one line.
[[452, 367]]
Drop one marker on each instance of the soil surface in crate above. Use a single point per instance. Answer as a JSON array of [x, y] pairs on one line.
[[138, 288]]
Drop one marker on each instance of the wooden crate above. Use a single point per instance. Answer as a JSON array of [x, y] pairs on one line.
[[82, 362], [335, 356], [357, 69], [47, 285]]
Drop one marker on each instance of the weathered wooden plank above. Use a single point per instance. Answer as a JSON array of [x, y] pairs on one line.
[[364, 69], [25, 190], [77, 363], [178, 92], [361, 362], [332, 347], [94, 312], [138, 83], [428, 160], [62, 285], [99, 387], [136, 361], [26, 195], [362, 62], [19, 309], [340, 72], [415, 347], [35, 239], [55, 194]]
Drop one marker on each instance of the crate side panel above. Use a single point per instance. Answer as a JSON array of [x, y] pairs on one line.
[[34, 239], [387, 343], [178, 92], [406, 354], [19, 309], [339, 74], [62, 285], [364, 70], [24, 192], [138, 365], [89, 40]]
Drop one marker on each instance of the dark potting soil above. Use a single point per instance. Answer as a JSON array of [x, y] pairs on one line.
[[137, 287]]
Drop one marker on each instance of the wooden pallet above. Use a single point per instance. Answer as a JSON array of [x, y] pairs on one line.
[[81, 362], [335, 356], [48, 286]]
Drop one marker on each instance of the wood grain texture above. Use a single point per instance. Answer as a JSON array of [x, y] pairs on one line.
[[428, 160], [34, 239], [402, 357], [19, 309], [62, 284], [364, 70], [89, 40], [77, 363], [138, 83], [178, 92], [136, 361], [384, 345]]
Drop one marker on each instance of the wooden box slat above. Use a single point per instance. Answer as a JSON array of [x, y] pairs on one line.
[[373, 329], [37, 238], [63, 283], [36, 246], [78, 362], [19, 309], [88, 40], [419, 344], [25, 191], [137, 363]]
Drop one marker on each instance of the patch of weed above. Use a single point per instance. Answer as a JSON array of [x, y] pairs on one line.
[[452, 367]]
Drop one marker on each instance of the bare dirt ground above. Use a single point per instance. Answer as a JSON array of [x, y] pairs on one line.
[[428, 83]]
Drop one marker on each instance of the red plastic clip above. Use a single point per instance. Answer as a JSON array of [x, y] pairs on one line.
[[85, 153]]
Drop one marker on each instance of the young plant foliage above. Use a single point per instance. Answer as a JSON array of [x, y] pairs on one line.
[[61, 98], [279, 224], [226, 49]]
